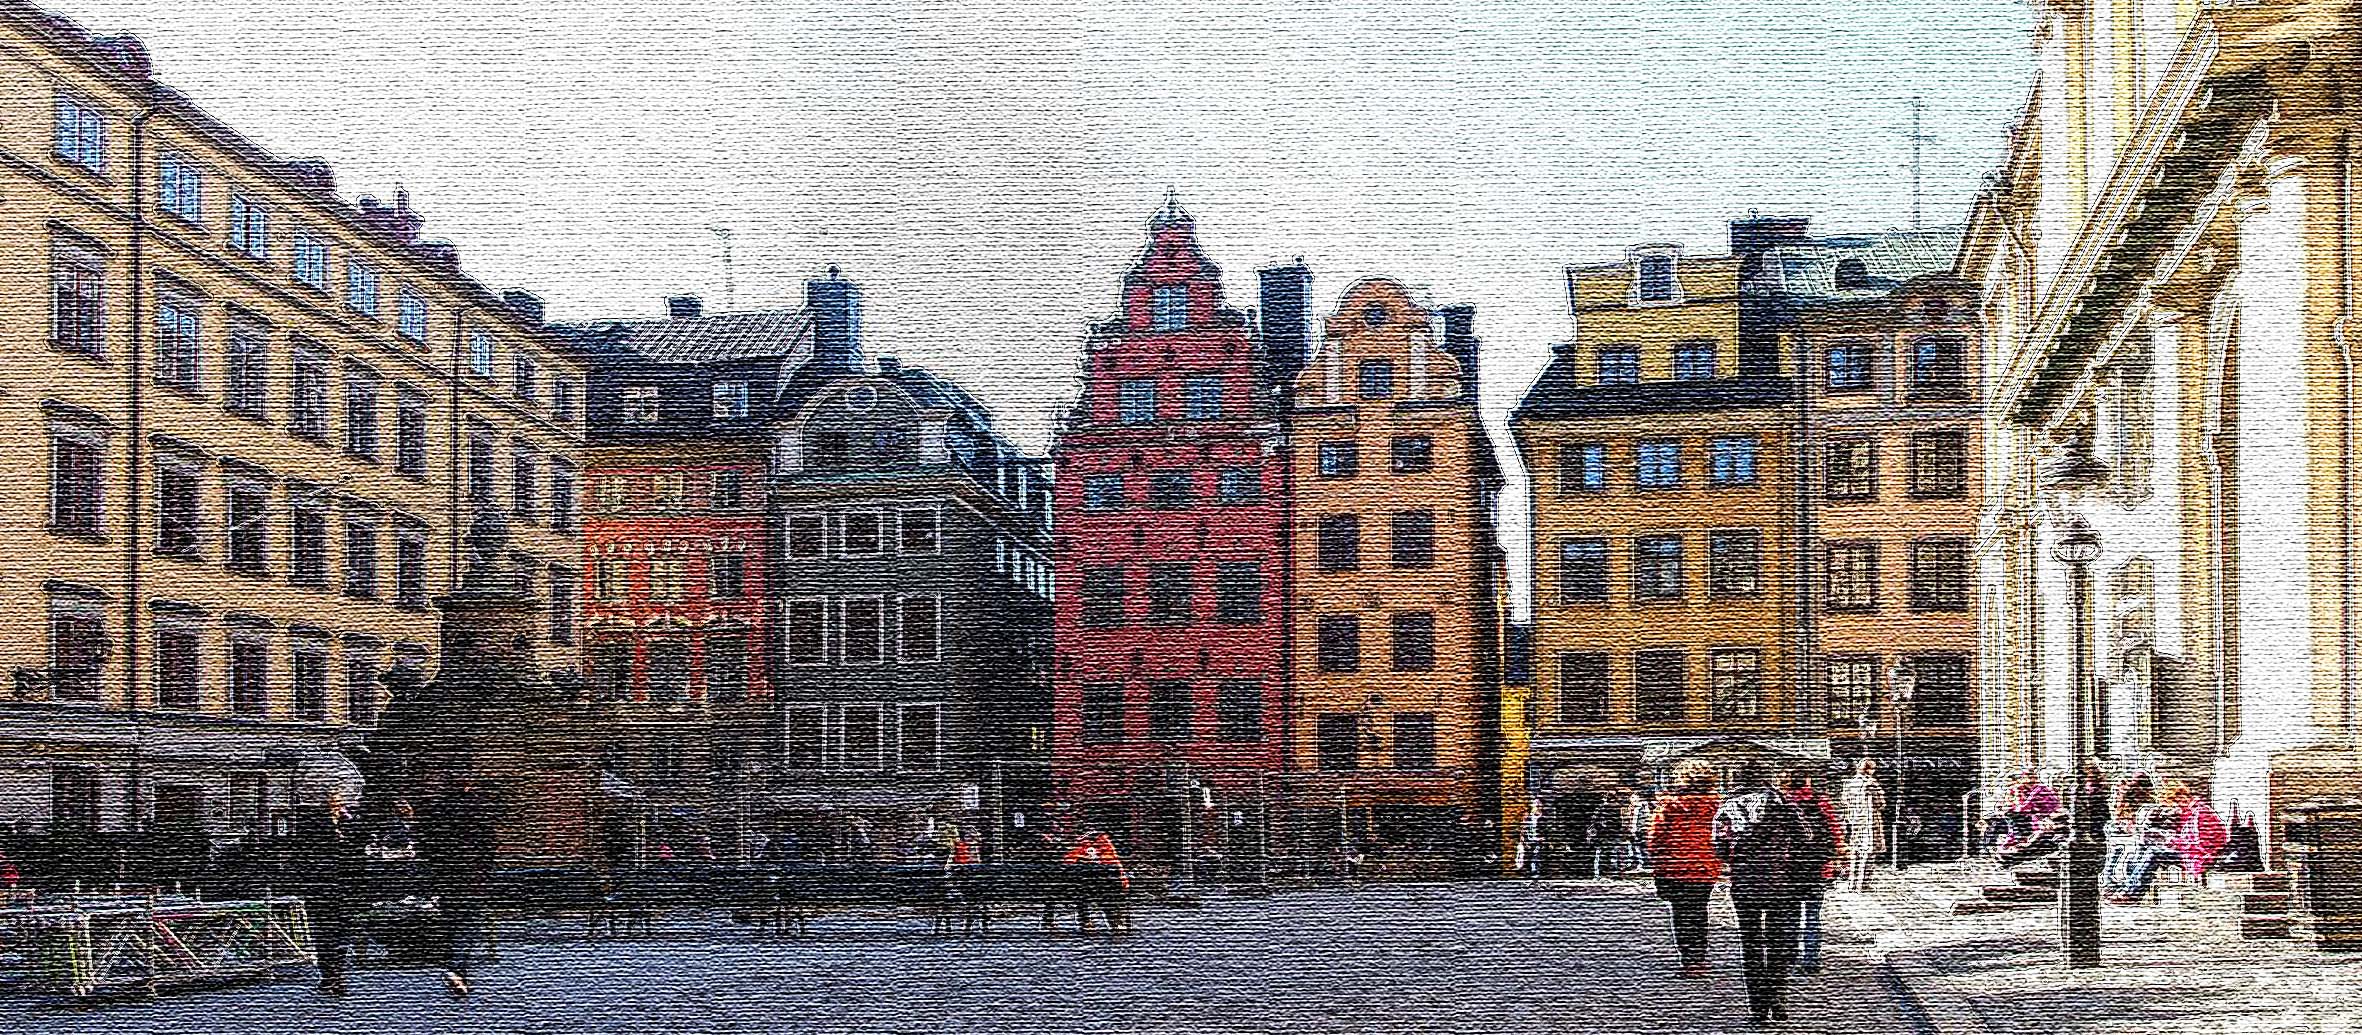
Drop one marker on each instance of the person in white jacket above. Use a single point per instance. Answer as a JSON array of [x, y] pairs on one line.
[[1861, 806]]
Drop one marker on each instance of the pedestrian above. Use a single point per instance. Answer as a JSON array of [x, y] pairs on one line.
[[1816, 866], [1681, 843], [1861, 806], [457, 840], [333, 855], [1762, 837], [1095, 848]]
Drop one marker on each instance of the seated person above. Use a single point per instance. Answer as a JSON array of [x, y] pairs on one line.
[[2047, 837]]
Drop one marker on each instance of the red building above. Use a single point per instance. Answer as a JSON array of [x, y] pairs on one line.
[[1171, 505]]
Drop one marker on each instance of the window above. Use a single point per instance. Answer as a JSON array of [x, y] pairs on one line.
[[1853, 687], [524, 483], [805, 728], [1339, 460], [1853, 577], [919, 532], [561, 400], [1340, 643], [179, 521], [1414, 740], [1582, 688], [250, 226], [410, 568], [1103, 492], [1374, 378], [1738, 685], [1238, 486], [1582, 468], [1939, 465], [310, 262], [668, 579], [76, 482], [360, 413], [360, 287], [360, 558], [1170, 587], [1939, 575], [78, 294], [563, 585], [1103, 713], [1657, 465], [73, 799], [180, 188], [250, 676], [725, 667], [177, 344], [807, 632], [725, 576], [1852, 275], [1734, 563], [307, 396], [1850, 469], [479, 354], [1941, 695], [611, 671], [1652, 278], [865, 631], [1660, 686], [1414, 641], [1238, 711], [1168, 307], [921, 738], [807, 535], [1201, 397], [861, 533], [729, 400], [1656, 567], [1734, 461], [1238, 592], [526, 375], [1171, 711], [410, 432], [1340, 542], [1172, 490], [1693, 361], [248, 388], [179, 670], [1582, 571], [1103, 597], [307, 542], [1413, 539], [410, 318], [1340, 743], [610, 579], [1849, 368], [307, 681], [639, 404], [249, 510], [77, 649], [81, 135], [1135, 401], [729, 493], [1619, 365], [481, 479], [1937, 370], [922, 629], [1413, 454], [668, 670]]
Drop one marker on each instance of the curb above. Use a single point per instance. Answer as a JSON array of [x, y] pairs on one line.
[[1941, 1008]]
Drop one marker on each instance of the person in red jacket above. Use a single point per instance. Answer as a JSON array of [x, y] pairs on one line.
[[1813, 885], [1681, 847]]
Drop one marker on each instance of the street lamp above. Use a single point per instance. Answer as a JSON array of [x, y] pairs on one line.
[[2079, 906], [1901, 681]]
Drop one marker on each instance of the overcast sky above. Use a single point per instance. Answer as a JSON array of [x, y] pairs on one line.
[[985, 169]]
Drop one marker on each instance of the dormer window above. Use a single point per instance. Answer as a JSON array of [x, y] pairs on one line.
[[1852, 275], [1374, 315], [1168, 307], [1652, 277]]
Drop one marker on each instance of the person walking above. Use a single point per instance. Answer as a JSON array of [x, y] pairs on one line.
[[1862, 807], [1681, 844], [457, 841], [334, 855], [1762, 838], [1816, 866]]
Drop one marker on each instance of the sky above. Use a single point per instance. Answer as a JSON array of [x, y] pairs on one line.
[[985, 169]]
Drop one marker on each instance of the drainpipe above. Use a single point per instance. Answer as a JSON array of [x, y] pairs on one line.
[[2345, 467], [135, 431]]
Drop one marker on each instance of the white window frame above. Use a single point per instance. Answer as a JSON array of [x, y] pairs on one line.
[[88, 438], [794, 718], [641, 404], [844, 542], [902, 760], [479, 354], [797, 524], [844, 757], [902, 639], [845, 631], [410, 315], [180, 187], [80, 134], [179, 625], [787, 629], [729, 400], [361, 284], [934, 520], [250, 227]]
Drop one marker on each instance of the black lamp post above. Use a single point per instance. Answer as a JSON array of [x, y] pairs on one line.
[[2079, 903], [1901, 682]]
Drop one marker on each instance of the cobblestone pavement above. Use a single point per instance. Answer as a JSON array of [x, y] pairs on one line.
[[1496, 957]]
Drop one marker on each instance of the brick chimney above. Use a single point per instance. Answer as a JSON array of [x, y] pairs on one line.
[[525, 304], [398, 224], [834, 307], [684, 307]]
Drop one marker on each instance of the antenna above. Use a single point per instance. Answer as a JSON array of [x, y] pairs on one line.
[[729, 275], [1918, 105]]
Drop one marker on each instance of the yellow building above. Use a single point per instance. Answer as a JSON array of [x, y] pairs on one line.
[[1660, 447], [250, 424], [1396, 737], [2167, 258]]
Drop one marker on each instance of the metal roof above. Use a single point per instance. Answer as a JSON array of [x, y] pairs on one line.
[[784, 334]]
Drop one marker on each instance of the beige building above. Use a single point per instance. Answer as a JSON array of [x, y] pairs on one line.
[[248, 426]]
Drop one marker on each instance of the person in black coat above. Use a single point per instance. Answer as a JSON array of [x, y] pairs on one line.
[[332, 850], [456, 842]]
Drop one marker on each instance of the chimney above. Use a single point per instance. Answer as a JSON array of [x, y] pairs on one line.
[[525, 304], [684, 307], [1459, 339], [889, 364], [398, 223], [312, 174], [1284, 308], [441, 253], [127, 53], [834, 307]]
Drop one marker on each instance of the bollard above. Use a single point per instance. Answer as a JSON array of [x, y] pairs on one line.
[[2324, 842]]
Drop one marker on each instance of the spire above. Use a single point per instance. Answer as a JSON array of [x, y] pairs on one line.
[[1171, 214]]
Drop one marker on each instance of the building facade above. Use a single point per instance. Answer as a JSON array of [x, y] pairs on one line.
[[2166, 262], [253, 423], [1172, 562], [1395, 582]]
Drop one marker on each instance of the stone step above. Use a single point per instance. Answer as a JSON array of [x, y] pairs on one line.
[[2270, 882], [2262, 927], [2020, 893], [2036, 878], [1975, 906], [2265, 903]]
